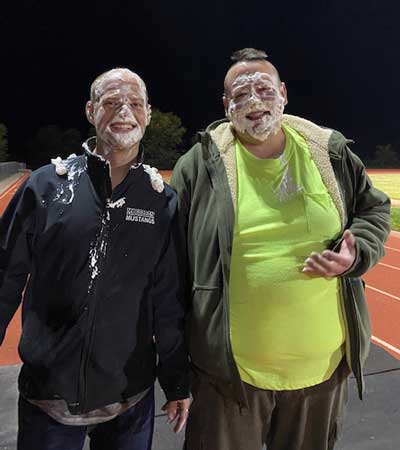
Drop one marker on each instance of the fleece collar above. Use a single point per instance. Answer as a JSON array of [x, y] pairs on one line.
[[316, 137]]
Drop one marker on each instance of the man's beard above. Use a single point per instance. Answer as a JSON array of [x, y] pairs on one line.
[[260, 129], [127, 140], [122, 141]]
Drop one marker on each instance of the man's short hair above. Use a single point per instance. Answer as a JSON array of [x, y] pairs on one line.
[[248, 54], [94, 88]]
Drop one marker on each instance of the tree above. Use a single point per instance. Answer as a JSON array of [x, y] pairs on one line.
[[51, 141], [4, 154], [162, 140], [385, 156]]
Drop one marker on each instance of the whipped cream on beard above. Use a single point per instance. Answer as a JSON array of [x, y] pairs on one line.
[[256, 106], [122, 133]]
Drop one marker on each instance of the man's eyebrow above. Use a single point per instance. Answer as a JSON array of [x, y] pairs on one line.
[[240, 85], [110, 95], [117, 95]]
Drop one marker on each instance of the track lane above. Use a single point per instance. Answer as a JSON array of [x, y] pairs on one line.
[[8, 350], [385, 278], [8, 193], [383, 297], [385, 313]]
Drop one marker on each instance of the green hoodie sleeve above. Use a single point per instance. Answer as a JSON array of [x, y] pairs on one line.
[[181, 183], [368, 215]]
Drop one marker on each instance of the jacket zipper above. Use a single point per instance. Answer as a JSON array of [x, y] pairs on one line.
[[349, 306], [225, 237], [102, 239], [211, 164]]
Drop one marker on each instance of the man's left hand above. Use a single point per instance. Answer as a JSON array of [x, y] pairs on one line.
[[177, 409], [332, 264]]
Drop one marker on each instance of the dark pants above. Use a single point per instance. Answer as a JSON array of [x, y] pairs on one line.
[[132, 430], [302, 419]]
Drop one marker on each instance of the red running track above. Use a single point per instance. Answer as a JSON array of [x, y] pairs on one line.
[[383, 296], [7, 194], [8, 350]]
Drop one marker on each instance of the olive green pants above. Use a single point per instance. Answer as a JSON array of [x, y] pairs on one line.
[[302, 419]]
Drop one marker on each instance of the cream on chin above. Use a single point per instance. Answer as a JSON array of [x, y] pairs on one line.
[[118, 136], [259, 119]]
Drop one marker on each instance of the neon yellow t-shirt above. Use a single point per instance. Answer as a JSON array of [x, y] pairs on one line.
[[286, 327]]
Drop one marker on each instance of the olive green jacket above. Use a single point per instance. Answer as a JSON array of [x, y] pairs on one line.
[[205, 179]]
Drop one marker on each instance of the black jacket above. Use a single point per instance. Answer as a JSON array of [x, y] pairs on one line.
[[102, 286]]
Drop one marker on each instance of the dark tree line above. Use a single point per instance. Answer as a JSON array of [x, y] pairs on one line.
[[163, 141], [4, 154], [385, 156]]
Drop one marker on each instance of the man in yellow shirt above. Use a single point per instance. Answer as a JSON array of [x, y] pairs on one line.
[[278, 221]]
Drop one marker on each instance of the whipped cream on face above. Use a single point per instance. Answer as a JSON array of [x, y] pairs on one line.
[[256, 105], [124, 131], [122, 102]]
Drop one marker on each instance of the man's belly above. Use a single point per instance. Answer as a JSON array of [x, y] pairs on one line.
[[290, 334]]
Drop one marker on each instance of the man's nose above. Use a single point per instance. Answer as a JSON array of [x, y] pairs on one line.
[[254, 95], [124, 110]]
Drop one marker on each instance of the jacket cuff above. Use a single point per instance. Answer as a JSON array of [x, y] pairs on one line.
[[360, 266], [178, 392], [173, 396]]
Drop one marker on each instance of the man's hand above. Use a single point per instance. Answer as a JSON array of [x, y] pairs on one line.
[[177, 409], [332, 264]]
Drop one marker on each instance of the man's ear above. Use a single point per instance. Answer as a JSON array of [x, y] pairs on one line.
[[90, 112], [148, 119], [226, 103], [284, 92]]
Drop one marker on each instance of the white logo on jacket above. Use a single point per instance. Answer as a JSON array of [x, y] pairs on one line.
[[140, 215]]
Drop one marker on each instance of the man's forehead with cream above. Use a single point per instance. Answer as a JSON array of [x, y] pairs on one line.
[[110, 83], [254, 78], [238, 72]]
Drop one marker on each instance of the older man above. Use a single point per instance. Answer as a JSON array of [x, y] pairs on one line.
[[280, 221], [92, 236]]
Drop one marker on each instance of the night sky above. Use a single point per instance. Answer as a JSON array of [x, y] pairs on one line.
[[339, 59]]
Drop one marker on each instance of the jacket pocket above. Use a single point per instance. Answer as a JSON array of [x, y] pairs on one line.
[[206, 331]]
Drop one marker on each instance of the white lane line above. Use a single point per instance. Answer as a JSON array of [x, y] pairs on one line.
[[382, 292], [13, 188], [9, 191], [5, 193], [394, 249], [395, 234], [385, 344], [388, 265]]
